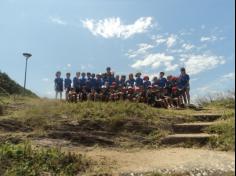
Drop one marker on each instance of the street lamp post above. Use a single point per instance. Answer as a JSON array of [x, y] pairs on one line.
[[27, 56]]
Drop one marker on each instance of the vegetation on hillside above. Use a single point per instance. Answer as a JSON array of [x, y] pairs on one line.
[[23, 159], [225, 127], [9, 86]]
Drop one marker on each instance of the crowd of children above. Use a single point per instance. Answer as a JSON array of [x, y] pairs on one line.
[[160, 92]]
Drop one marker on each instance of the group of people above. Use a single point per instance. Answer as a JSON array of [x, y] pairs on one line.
[[166, 92]]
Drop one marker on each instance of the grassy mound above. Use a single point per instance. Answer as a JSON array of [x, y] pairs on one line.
[[23, 159], [8, 86]]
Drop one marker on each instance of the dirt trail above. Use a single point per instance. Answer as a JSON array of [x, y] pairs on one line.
[[175, 159]]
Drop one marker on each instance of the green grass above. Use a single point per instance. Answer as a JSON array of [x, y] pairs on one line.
[[225, 130], [23, 159], [43, 114]]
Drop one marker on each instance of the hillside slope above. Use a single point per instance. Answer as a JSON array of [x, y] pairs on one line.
[[11, 87]]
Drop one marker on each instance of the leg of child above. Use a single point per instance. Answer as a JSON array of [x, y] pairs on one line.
[[188, 95], [56, 94], [60, 95]]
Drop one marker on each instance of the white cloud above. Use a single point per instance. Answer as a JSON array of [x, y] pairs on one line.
[[114, 27], [171, 40], [229, 76], [68, 65], [208, 39], [199, 63], [187, 46], [155, 61], [142, 49], [57, 20]]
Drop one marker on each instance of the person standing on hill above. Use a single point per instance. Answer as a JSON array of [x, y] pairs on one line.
[[67, 84], [185, 85], [58, 84], [76, 82]]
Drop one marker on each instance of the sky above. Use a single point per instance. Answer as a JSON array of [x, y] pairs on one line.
[[127, 35]]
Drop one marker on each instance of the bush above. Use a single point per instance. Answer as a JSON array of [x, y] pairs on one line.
[[22, 159]]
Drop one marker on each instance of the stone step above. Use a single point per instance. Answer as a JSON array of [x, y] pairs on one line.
[[199, 138], [206, 117], [196, 127]]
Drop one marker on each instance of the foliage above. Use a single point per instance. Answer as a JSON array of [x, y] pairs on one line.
[[225, 130], [23, 159], [7, 85]]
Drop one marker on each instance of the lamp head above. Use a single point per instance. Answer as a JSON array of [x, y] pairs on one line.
[[27, 55]]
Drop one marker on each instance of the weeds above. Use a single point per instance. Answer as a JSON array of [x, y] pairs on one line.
[[23, 159]]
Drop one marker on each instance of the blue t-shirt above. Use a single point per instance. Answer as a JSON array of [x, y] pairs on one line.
[[139, 82], [111, 79], [67, 83], [184, 81], [58, 84], [162, 82], [83, 81], [93, 82], [76, 83], [130, 82], [99, 83], [146, 84]]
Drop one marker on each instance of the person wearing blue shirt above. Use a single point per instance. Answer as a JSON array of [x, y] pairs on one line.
[[117, 80], [184, 79], [111, 78], [88, 82], [58, 84], [67, 84], [146, 82], [99, 83], [76, 82], [139, 80], [93, 81], [162, 81], [83, 80], [130, 81], [123, 81]]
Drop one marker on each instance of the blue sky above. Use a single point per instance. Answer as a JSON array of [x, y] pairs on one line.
[[128, 35]]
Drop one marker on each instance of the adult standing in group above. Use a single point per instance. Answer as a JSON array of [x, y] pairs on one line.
[[185, 85]]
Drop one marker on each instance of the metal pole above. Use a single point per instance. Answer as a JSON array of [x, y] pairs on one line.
[[26, 64]]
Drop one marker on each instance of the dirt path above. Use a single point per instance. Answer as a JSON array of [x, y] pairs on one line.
[[175, 159]]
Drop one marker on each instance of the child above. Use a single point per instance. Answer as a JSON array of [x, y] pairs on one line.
[[162, 81], [130, 81], [122, 81], [58, 84], [72, 96], [76, 83], [83, 80], [67, 84], [146, 82], [184, 85], [139, 80]]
